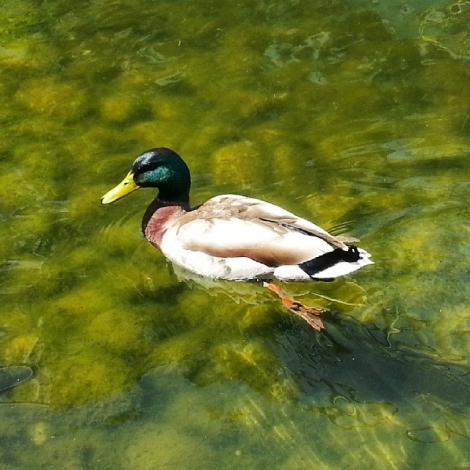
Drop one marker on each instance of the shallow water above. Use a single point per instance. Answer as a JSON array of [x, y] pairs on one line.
[[352, 114]]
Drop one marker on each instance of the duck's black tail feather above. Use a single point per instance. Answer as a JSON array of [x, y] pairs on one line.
[[328, 260]]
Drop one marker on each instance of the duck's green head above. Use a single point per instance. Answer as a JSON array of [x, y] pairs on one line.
[[156, 168]]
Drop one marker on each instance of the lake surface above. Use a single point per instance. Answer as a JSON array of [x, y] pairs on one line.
[[352, 114]]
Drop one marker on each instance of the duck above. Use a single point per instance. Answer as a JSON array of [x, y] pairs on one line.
[[234, 237]]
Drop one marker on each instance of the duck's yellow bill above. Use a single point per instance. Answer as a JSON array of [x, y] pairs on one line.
[[125, 187]]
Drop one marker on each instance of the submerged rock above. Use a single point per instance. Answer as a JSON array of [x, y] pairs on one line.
[[14, 375]]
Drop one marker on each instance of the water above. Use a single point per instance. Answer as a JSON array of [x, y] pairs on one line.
[[352, 114]]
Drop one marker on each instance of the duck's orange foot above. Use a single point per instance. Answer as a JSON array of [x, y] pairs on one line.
[[309, 314]]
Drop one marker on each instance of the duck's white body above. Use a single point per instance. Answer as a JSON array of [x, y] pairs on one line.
[[239, 238]]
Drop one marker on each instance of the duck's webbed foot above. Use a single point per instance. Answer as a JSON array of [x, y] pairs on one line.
[[309, 314]]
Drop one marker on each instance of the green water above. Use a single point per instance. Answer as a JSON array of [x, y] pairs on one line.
[[353, 114]]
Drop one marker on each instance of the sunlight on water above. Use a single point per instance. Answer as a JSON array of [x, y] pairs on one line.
[[352, 114]]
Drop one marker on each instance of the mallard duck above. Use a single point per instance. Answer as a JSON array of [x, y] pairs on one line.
[[234, 237]]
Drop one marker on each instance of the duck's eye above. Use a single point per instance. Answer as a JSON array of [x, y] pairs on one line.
[[145, 168]]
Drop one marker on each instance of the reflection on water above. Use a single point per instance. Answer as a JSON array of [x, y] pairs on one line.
[[353, 115]]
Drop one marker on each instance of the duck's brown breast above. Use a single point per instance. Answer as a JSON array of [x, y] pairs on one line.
[[157, 219]]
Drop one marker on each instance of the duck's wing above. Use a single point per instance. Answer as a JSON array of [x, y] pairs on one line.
[[261, 211], [235, 226]]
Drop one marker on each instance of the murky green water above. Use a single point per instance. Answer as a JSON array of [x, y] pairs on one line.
[[353, 114]]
